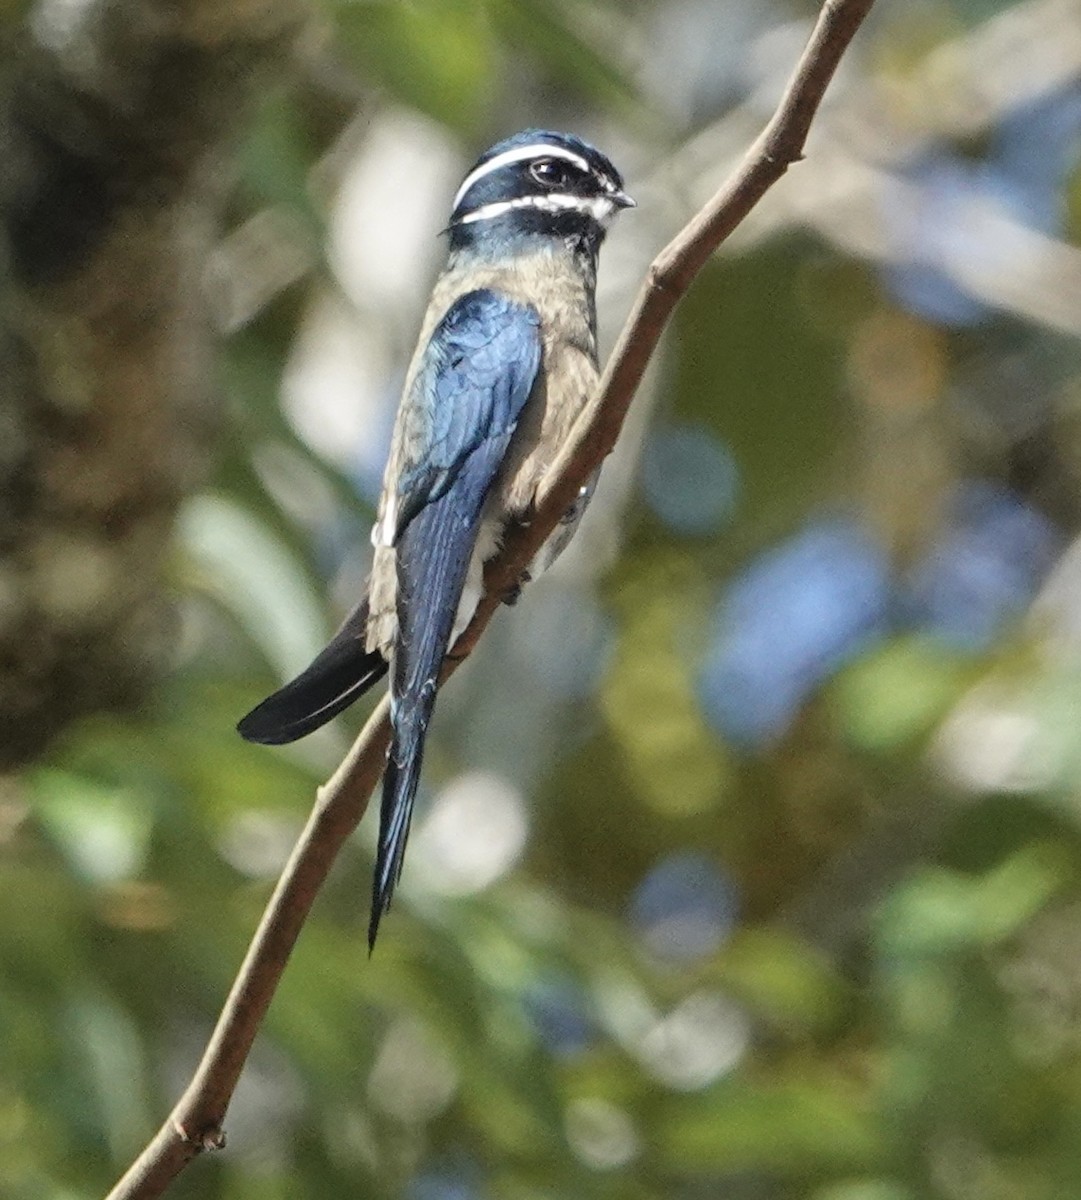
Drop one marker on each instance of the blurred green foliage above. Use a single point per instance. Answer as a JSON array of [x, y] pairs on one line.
[[859, 978]]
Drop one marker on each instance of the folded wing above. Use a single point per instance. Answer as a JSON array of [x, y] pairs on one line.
[[479, 370]]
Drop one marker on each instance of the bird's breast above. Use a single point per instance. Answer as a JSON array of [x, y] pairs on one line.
[[555, 286]]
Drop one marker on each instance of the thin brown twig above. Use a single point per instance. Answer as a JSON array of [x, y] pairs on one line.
[[196, 1122]]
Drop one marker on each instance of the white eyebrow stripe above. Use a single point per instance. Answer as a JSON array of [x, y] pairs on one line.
[[517, 154], [600, 208]]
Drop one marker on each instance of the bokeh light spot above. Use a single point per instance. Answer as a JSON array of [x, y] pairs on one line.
[[412, 1078], [788, 622], [601, 1134], [474, 833], [702, 1038], [689, 479], [684, 908]]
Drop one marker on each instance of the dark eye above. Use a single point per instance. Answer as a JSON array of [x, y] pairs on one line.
[[549, 172]]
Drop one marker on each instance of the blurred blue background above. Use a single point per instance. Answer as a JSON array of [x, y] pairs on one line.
[[748, 862]]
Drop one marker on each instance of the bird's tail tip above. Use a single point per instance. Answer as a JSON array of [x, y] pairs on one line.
[[400, 782]]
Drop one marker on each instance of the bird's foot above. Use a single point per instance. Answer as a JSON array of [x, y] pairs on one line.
[[513, 594]]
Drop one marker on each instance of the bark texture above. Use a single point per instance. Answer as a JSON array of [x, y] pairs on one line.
[[115, 130]]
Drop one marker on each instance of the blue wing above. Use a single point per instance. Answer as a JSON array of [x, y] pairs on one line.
[[477, 374]]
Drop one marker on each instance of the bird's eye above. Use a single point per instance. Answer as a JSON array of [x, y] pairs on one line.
[[549, 172]]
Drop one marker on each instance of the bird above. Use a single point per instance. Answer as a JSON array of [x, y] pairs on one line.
[[505, 361]]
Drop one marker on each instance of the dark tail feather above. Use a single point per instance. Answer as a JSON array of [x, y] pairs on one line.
[[400, 782], [340, 674], [433, 560]]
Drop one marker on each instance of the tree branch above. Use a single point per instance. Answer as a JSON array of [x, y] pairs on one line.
[[195, 1123]]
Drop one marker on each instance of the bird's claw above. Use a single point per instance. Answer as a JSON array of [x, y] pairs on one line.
[[513, 594]]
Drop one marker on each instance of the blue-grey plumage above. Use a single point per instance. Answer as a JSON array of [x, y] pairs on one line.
[[505, 361], [464, 403]]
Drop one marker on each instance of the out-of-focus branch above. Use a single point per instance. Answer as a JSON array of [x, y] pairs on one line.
[[195, 1123], [115, 119]]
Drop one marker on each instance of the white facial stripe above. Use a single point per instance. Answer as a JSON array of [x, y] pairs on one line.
[[600, 208], [536, 150]]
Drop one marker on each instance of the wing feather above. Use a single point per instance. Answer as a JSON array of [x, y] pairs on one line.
[[482, 364]]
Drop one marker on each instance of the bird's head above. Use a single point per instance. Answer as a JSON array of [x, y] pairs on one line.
[[537, 184]]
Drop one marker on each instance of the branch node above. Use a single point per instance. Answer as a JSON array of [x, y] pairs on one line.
[[208, 1139], [657, 277]]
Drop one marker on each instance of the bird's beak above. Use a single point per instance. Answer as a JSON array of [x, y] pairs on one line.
[[622, 200]]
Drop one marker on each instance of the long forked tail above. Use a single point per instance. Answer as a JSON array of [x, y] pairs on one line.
[[433, 561], [340, 674]]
